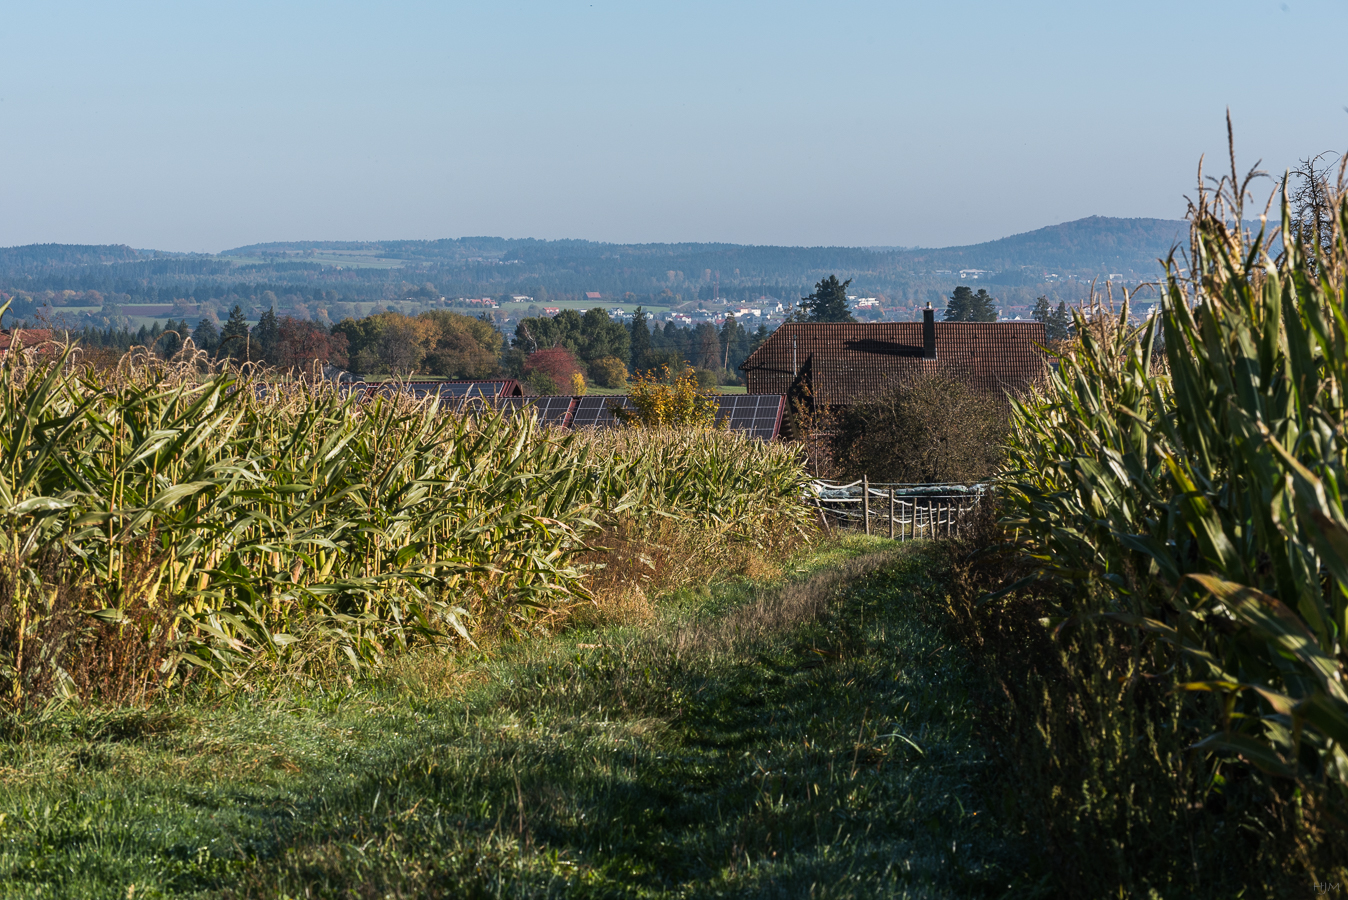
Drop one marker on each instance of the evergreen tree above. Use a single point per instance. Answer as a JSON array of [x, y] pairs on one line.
[[1060, 326], [234, 336], [266, 338], [1057, 322], [966, 306], [734, 340], [706, 348], [206, 336], [641, 340], [828, 303], [170, 339], [1043, 309], [760, 336]]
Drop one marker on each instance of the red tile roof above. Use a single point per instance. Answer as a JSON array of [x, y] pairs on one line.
[[842, 363], [28, 338]]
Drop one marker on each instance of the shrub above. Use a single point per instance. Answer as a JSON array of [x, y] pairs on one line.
[[928, 428], [662, 400], [609, 372]]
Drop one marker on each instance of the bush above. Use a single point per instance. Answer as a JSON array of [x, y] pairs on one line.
[[659, 402], [551, 371], [609, 372], [536, 384], [931, 428]]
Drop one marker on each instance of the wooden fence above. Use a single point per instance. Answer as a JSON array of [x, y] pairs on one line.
[[902, 511]]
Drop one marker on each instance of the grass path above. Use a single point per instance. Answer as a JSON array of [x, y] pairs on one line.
[[808, 739]]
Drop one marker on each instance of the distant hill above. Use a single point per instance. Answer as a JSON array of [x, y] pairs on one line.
[[1097, 242], [1017, 269], [45, 256]]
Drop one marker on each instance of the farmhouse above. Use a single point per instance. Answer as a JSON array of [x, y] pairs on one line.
[[839, 364]]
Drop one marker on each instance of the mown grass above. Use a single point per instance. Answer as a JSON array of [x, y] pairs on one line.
[[808, 738]]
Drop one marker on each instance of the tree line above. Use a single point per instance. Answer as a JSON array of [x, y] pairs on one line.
[[550, 354], [544, 352]]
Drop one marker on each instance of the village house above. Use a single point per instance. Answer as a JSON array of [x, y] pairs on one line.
[[838, 364]]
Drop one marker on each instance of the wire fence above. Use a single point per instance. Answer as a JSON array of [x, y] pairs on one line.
[[904, 512]]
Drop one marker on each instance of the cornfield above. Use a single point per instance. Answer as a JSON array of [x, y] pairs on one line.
[[162, 522], [1186, 478]]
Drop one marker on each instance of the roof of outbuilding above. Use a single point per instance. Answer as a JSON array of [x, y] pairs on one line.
[[28, 338], [844, 362]]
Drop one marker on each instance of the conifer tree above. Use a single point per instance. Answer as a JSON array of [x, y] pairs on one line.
[[234, 336], [206, 336], [266, 338], [641, 340], [966, 306], [828, 303], [1057, 322]]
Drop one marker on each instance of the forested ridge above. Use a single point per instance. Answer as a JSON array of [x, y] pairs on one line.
[[654, 274]]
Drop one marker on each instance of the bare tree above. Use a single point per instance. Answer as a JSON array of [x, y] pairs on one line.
[[1311, 197]]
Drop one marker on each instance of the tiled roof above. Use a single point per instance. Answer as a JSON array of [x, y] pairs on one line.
[[843, 363], [29, 337]]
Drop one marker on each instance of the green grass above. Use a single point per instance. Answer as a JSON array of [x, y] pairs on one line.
[[807, 739]]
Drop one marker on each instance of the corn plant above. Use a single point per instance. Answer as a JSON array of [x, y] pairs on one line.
[[234, 520], [1193, 471]]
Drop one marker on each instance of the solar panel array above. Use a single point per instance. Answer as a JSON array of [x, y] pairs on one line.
[[459, 390], [596, 412], [550, 410], [759, 415], [756, 414]]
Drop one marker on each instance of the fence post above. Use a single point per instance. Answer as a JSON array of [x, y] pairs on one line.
[[891, 513], [866, 503]]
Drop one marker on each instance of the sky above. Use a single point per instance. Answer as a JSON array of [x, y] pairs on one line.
[[203, 126]]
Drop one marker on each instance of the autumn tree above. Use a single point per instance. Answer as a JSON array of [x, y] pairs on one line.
[[301, 342], [551, 371]]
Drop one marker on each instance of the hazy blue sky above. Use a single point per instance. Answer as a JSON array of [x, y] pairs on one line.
[[197, 126]]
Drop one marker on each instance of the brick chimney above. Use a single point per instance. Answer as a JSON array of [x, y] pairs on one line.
[[929, 332]]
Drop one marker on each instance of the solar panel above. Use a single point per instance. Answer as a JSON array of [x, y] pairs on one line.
[[455, 390], [593, 412], [550, 410], [757, 414]]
